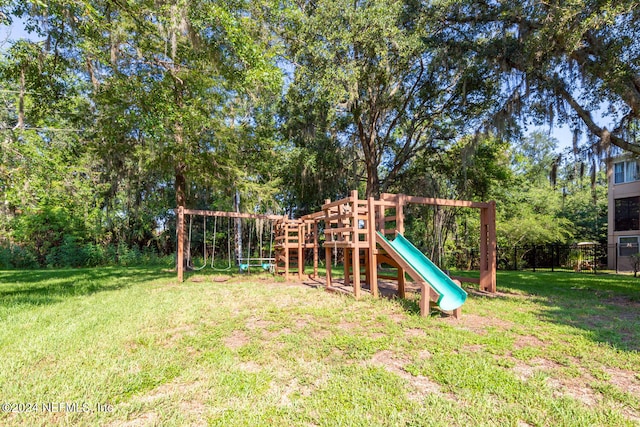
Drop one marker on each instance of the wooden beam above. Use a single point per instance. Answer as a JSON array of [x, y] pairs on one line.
[[466, 279], [313, 216], [445, 202], [388, 197], [337, 203], [404, 265], [232, 214]]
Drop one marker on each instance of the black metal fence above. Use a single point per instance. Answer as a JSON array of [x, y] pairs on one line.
[[592, 257], [584, 257]]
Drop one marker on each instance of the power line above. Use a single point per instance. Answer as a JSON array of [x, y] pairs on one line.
[[45, 129], [18, 91]]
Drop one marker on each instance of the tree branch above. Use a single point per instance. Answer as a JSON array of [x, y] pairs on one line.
[[604, 135]]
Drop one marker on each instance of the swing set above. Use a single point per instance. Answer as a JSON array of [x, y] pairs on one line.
[[370, 235], [256, 233]]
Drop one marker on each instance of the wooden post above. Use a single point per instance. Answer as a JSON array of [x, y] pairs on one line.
[[402, 293], [367, 271], [488, 248], [355, 244], [327, 249], [315, 247], [285, 242], [457, 313], [180, 260], [401, 284], [300, 250], [372, 261], [347, 266], [400, 202], [380, 219], [355, 256], [425, 299], [327, 252]]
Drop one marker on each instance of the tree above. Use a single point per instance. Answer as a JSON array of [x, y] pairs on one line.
[[178, 98], [530, 210], [386, 97], [473, 168], [47, 177], [556, 61]]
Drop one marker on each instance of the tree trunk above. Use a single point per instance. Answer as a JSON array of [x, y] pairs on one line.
[[180, 165], [373, 181], [368, 142]]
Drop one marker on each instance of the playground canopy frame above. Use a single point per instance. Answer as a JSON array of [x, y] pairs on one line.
[[488, 241], [488, 238]]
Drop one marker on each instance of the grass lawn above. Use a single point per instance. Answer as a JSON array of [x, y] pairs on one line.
[[132, 347]]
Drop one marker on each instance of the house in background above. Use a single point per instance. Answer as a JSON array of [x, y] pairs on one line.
[[623, 174]]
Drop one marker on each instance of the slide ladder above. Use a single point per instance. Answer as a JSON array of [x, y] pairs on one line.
[[450, 295]]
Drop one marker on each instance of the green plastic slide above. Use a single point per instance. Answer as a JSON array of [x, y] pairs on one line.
[[451, 297]]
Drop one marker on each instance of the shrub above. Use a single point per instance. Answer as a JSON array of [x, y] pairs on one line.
[[15, 256]]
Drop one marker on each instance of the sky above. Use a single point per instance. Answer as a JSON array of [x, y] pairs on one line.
[[15, 31]]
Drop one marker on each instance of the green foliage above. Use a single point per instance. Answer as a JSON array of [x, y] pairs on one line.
[[470, 169], [15, 256], [362, 69], [557, 62], [42, 230], [126, 110]]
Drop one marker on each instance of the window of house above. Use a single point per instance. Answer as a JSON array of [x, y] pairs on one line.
[[627, 171], [627, 214], [628, 245], [618, 171]]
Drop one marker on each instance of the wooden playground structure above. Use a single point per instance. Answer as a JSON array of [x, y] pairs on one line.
[[360, 228]]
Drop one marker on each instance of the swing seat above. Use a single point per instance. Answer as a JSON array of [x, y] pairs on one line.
[[266, 266], [244, 267]]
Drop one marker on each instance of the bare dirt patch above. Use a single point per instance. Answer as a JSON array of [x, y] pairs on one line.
[[414, 333], [236, 340], [525, 370], [169, 389], [348, 326], [421, 384], [479, 324], [624, 380], [174, 335], [254, 323], [321, 334], [497, 294], [424, 354], [397, 317], [576, 388], [285, 391], [250, 366], [523, 341]]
